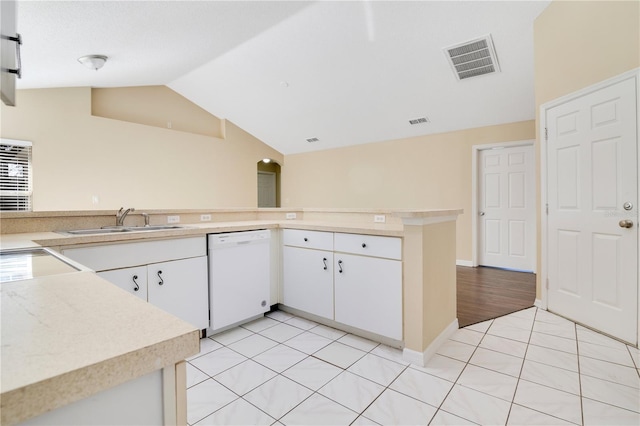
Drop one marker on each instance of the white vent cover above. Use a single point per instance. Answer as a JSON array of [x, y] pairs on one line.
[[473, 58], [419, 120]]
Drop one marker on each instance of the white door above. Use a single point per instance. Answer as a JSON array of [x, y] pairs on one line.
[[133, 280], [507, 211], [368, 294], [180, 287], [591, 176], [307, 280], [266, 189]]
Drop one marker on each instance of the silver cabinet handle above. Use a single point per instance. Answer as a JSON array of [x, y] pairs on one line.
[[159, 276], [626, 224], [137, 287], [324, 260], [340, 266]]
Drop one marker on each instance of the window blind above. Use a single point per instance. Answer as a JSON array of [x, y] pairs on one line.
[[16, 187]]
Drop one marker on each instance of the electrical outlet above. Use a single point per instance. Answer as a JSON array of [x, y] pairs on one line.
[[379, 218], [205, 218], [291, 216], [173, 219]]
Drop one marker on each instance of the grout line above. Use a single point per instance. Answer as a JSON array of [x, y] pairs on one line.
[[524, 358], [579, 375], [402, 371], [455, 382]]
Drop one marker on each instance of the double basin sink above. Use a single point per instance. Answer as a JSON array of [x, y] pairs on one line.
[[118, 229]]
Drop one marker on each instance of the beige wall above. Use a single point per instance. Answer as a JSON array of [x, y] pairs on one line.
[[580, 43], [157, 106], [77, 155], [423, 172]]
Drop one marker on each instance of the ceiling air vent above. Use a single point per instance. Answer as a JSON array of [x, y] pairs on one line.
[[313, 140], [419, 120], [473, 58]]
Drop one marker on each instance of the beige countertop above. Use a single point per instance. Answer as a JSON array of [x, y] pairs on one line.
[[66, 337], [55, 239]]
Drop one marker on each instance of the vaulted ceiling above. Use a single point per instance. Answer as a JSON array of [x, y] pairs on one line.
[[344, 72]]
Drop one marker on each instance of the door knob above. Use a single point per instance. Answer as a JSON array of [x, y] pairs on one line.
[[626, 224], [481, 213]]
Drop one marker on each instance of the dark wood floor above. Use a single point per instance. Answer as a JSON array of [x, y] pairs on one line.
[[485, 293]]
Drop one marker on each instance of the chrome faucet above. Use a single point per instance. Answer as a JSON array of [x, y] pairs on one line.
[[122, 214], [146, 219]]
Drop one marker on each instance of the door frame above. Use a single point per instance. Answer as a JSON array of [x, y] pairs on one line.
[[475, 184], [544, 225]]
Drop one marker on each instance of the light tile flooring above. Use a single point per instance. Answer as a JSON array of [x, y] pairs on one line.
[[527, 368]]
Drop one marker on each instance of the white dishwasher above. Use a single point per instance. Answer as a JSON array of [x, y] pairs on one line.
[[239, 277]]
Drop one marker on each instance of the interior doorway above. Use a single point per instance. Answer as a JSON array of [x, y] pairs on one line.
[[504, 206], [268, 183], [485, 293]]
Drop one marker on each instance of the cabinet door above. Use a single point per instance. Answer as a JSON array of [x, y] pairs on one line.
[[368, 294], [180, 288], [308, 280], [133, 280]]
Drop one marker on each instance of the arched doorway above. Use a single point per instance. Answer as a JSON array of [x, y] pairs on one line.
[[268, 183]]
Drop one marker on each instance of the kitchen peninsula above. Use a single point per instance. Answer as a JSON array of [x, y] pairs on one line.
[[102, 337]]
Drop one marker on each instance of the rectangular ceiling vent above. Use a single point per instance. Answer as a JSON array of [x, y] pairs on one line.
[[313, 140], [419, 120], [473, 58]]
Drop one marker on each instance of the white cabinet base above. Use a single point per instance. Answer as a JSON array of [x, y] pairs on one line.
[[137, 402], [344, 327]]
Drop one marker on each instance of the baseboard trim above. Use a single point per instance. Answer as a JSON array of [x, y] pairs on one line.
[[421, 358], [460, 262], [540, 304]]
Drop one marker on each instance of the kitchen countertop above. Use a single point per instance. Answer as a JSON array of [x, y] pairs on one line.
[[66, 337], [55, 239]]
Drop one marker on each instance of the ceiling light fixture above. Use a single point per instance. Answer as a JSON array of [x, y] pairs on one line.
[[266, 160], [93, 62]]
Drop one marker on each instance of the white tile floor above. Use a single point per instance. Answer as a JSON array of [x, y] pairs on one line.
[[527, 368]]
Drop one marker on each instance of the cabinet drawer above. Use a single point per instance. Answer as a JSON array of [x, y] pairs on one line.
[[115, 256], [369, 245], [309, 239]]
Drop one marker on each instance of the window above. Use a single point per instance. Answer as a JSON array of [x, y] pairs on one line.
[[16, 186]]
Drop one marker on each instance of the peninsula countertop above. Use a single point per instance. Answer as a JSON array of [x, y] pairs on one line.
[[66, 337]]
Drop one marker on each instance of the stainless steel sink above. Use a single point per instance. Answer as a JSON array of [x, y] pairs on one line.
[[153, 227], [118, 229], [96, 231]]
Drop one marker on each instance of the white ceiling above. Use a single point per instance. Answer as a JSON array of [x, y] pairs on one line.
[[348, 72]]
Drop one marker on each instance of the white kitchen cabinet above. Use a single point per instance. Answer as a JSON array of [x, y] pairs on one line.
[[180, 287], [308, 280], [133, 280], [308, 239], [368, 294], [183, 263], [360, 286], [368, 283]]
